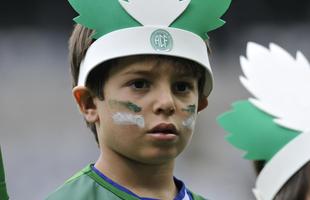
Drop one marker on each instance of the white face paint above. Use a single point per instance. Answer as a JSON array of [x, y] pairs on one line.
[[190, 122], [122, 118]]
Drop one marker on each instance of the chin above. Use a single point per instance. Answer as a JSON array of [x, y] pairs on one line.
[[157, 161]]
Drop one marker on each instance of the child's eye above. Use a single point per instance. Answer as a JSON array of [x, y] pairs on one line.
[[140, 84], [182, 87]]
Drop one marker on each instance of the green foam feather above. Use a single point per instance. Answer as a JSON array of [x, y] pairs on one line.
[[254, 131], [202, 16], [103, 16]]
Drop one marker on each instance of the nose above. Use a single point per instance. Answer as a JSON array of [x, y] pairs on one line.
[[164, 102]]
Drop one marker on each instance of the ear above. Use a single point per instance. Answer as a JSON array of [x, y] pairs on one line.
[[86, 103], [202, 103]]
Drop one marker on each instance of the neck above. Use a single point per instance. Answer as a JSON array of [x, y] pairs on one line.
[[145, 180]]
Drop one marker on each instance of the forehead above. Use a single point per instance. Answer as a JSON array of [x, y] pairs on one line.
[[156, 65]]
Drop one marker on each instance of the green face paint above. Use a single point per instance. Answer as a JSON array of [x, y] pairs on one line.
[[127, 104], [190, 109]]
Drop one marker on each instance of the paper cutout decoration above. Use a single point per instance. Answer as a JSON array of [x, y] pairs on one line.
[[154, 12], [202, 17], [3, 191], [106, 16], [254, 131], [274, 125], [283, 165], [279, 83]]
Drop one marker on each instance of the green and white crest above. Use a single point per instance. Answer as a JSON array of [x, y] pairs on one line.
[[161, 40]]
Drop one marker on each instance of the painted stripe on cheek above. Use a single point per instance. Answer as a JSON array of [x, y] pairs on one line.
[[190, 122], [122, 118], [127, 104]]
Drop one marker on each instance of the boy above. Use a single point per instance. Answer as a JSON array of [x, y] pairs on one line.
[[139, 79]]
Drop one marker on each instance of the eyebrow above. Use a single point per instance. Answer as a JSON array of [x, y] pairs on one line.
[[154, 72], [140, 72], [184, 74]]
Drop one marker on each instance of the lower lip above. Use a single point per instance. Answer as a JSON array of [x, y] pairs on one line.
[[163, 136]]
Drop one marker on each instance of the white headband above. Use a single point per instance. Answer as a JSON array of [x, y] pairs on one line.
[[146, 41], [282, 167]]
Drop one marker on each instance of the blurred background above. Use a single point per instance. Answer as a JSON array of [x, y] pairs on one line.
[[43, 137]]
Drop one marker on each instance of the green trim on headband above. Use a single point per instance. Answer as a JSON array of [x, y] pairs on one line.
[[254, 131], [3, 191], [105, 16]]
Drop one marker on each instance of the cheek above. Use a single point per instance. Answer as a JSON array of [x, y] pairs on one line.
[[120, 131]]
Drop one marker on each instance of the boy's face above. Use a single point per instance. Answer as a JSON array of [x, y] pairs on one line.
[[148, 112]]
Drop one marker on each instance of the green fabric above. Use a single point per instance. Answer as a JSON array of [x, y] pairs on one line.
[[196, 196], [254, 131], [3, 191], [105, 16], [86, 184]]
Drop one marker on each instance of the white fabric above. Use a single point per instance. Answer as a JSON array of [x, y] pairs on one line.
[[282, 166], [136, 41]]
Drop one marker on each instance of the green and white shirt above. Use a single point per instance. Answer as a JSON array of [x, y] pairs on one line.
[[91, 184]]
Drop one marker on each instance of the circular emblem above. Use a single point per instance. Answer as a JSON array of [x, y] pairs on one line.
[[161, 40]]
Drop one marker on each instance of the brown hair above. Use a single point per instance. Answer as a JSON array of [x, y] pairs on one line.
[[80, 41], [296, 188]]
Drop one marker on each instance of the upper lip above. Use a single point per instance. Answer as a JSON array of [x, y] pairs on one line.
[[164, 128]]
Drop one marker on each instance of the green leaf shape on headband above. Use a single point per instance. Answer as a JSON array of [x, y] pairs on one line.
[[105, 16], [254, 131], [202, 16]]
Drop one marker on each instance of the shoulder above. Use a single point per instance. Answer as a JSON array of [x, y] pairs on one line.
[[81, 187]]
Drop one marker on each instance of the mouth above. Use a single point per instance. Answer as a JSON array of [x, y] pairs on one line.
[[164, 128]]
